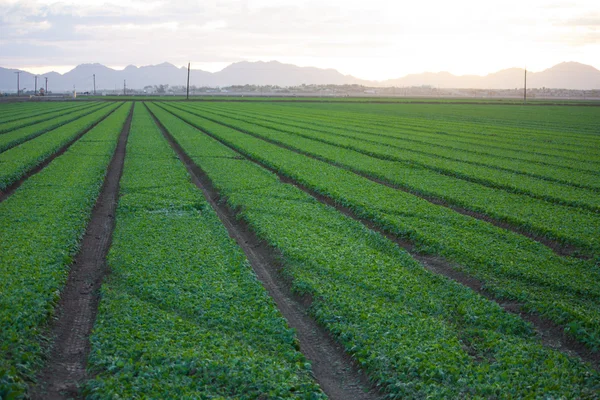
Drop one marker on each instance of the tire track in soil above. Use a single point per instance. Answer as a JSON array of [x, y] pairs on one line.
[[561, 249], [10, 189], [551, 334], [77, 308], [332, 367]]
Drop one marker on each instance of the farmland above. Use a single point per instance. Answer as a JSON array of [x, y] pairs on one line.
[[424, 250]]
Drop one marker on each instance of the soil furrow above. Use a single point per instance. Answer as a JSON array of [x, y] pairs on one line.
[[557, 247], [76, 311], [551, 334], [332, 367], [14, 186]]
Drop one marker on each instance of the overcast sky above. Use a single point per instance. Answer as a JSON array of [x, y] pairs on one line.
[[371, 39]]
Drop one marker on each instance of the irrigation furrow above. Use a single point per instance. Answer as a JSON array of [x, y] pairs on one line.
[[78, 305], [333, 369]]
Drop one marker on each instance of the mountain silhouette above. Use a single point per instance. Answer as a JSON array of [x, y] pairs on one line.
[[566, 75]]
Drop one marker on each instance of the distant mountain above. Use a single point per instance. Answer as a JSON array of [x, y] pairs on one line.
[[568, 75]]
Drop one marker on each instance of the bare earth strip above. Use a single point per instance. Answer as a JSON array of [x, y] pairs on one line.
[[333, 368], [551, 334], [76, 311]]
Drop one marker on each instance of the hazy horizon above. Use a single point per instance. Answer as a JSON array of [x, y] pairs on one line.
[[375, 40]]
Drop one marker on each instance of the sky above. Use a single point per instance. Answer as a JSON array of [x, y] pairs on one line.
[[372, 39]]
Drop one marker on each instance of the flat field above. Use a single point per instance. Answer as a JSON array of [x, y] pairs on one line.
[[416, 250]]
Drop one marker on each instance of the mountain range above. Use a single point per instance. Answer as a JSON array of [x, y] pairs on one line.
[[567, 75]]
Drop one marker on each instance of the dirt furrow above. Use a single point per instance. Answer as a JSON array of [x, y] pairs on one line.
[[551, 334], [4, 194], [76, 311], [332, 367]]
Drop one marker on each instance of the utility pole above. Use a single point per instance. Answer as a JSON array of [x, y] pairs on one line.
[[124, 87], [94, 84], [46, 90], [187, 93], [18, 82], [525, 88], [35, 90]]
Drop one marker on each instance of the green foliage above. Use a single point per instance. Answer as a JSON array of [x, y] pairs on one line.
[[417, 334], [17, 136], [510, 265], [40, 229], [43, 113], [182, 314], [18, 160], [566, 224]]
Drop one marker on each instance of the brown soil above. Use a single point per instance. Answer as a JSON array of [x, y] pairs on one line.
[[557, 247], [76, 311], [550, 333], [332, 367], [14, 186]]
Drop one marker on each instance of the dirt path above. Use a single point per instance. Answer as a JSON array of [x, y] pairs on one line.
[[557, 247], [332, 367], [551, 334], [76, 311], [4, 194]]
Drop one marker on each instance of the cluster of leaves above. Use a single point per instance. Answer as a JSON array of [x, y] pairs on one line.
[[569, 225], [30, 131], [417, 334], [182, 314], [39, 116], [40, 229], [20, 159]]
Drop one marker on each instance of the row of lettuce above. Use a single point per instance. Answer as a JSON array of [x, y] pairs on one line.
[[18, 160], [511, 265], [42, 116], [182, 315], [416, 334], [29, 131], [498, 123], [552, 183], [41, 226], [569, 225], [19, 111]]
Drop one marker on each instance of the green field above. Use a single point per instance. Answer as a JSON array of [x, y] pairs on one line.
[[433, 242]]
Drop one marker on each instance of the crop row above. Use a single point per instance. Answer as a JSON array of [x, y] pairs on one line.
[[182, 314], [528, 125], [41, 225], [18, 136], [511, 265], [20, 159], [568, 225], [415, 333], [555, 192], [30, 120], [554, 143], [434, 145], [14, 112]]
